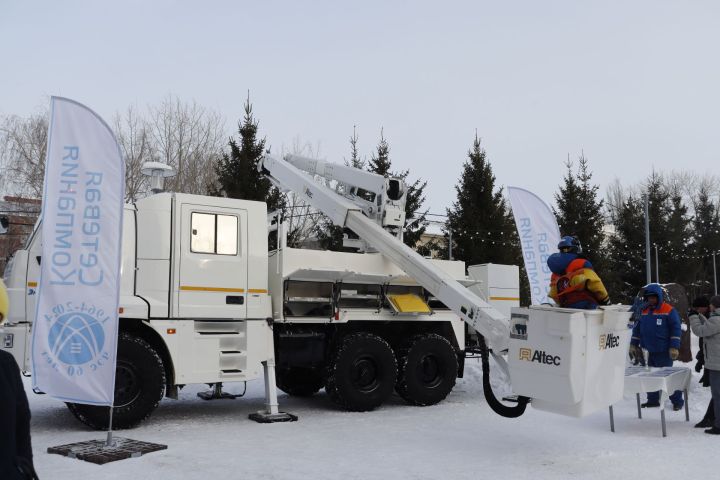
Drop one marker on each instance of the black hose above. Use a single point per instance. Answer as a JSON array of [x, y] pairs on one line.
[[496, 405]]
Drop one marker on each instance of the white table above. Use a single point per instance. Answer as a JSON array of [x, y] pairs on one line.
[[652, 379]]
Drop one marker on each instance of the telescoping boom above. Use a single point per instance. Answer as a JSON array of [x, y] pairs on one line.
[[294, 173]]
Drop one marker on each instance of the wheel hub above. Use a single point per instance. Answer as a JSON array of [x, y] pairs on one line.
[[127, 384], [365, 374], [430, 370]]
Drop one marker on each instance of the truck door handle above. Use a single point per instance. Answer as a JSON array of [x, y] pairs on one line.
[[38, 258], [234, 300]]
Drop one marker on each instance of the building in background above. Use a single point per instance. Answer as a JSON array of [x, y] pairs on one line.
[[20, 215]]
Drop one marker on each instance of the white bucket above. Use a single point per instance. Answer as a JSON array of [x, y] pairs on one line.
[[569, 361]]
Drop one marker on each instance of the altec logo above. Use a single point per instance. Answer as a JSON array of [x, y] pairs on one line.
[[539, 356], [609, 341]]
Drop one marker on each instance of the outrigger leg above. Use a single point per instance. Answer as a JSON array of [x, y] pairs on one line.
[[271, 414]]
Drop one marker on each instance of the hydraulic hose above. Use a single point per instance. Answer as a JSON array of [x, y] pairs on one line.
[[496, 405]]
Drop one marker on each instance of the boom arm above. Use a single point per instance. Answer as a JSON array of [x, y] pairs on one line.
[[343, 212]]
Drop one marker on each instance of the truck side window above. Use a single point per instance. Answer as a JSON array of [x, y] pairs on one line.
[[211, 233]]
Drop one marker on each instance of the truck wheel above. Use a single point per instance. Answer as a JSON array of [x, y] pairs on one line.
[[428, 369], [361, 372], [139, 387], [298, 382]]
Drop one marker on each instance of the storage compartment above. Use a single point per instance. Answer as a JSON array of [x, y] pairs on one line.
[[308, 299], [570, 362]]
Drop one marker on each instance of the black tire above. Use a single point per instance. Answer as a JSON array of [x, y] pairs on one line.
[[428, 369], [299, 382], [139, 387], [361, 372]]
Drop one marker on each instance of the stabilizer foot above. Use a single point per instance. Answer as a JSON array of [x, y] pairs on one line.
[[264, 417], [217, 394]]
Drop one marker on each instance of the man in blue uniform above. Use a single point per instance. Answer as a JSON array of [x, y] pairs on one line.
[[658, 331]]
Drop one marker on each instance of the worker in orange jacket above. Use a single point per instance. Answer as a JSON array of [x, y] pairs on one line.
[[574, 283]]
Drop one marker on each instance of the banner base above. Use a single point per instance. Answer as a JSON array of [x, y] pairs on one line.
[[95, 451]]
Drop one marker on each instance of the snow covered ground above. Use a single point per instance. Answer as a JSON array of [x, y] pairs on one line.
[[459, 438]]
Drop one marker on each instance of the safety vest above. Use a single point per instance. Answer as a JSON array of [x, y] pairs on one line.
[[569, 294]]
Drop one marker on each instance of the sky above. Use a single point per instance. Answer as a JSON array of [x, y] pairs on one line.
[[633, 85]]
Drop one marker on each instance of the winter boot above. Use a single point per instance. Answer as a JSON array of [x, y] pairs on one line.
[[713, 431], [704, 423], [650, 405]]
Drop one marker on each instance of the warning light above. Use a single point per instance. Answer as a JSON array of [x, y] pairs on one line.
[[171, 331]]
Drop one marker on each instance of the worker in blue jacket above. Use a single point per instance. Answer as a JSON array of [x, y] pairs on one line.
[[658, 331]]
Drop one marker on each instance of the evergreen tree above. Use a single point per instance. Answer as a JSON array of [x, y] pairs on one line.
[[238, 175], [355, 160], [415, 217], [580, 213], [706, 226], [626, 274], [674, 266], [481, 225], [380, 159]]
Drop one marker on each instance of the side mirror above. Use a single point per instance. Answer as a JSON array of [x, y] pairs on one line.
[[4, 224]]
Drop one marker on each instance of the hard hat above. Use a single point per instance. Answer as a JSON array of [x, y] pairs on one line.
[[569, 244], [4, 302]]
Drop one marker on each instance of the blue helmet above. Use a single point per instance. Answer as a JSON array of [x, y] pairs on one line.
[[570, 244]]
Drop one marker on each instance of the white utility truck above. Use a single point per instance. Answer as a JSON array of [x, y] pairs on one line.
[[203, 301]]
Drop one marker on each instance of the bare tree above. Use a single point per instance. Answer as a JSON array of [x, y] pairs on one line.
[[23, 145], [189, 138], [302, 219], [133, 135]]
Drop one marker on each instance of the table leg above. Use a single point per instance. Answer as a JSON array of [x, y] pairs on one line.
[[687, 407], [662, 420], [637, 395], [612, 420]]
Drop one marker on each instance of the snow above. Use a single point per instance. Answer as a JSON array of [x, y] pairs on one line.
[[459, 438]]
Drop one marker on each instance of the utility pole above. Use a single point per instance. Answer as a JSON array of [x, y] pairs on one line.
[[647, 239], [714, 272], [657, 266], [449, 244]]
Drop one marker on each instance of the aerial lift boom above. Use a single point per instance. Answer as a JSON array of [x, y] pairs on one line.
[[337, 197]]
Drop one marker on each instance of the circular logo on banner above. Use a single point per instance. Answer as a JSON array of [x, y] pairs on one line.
[[76, 338]]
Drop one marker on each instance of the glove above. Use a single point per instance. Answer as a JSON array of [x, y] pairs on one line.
[[698, 367], [606, 301], [635, 354], [674, 353]]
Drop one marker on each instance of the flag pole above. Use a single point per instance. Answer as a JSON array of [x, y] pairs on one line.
[[109, 443]]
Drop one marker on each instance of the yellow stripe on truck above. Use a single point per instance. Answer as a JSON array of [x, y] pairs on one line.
[[32, 284], [257, 290], [211, 289], [515, 299]]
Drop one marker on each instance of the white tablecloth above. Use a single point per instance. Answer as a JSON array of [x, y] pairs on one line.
[[665, 379]]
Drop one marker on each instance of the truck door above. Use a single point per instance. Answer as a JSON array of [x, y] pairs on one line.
[[33, 274], [213, 262]]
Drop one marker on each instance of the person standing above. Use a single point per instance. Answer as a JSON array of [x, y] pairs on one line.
[[574, 283], [16, 460], [658, 331], [700, 309], [710, 333]]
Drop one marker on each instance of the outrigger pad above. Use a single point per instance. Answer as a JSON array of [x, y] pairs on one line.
[[262, 417], [213, 395], [95, 451]]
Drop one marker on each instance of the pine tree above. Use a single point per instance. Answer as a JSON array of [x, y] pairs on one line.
[[481, 225], [674, 266], [380, 160], [580, 212], [238, 175], [415, 217], [706, 226], [626, 259], [355, 160]]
